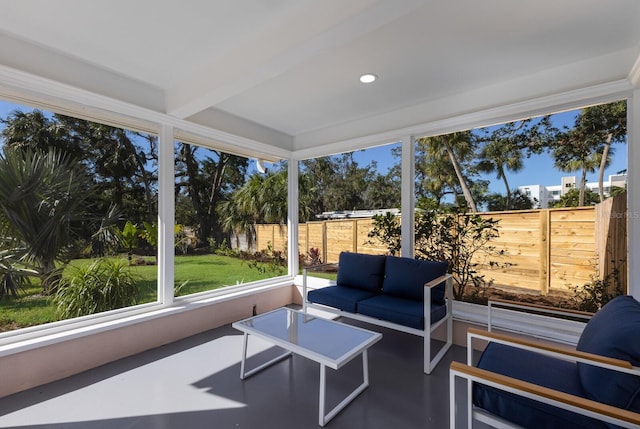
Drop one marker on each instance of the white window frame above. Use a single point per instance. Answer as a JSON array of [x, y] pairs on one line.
[[35, 91]]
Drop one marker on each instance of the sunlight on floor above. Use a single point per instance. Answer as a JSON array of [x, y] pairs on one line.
[[173, 384]]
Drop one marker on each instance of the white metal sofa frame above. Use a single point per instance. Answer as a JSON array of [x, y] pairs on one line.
[[429, 364], [596, 410]]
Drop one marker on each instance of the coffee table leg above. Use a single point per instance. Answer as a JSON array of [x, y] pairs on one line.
[[244, 355], [249, 373], [324, 419], [323, 394]]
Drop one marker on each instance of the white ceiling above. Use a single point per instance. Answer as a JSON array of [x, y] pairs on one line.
[[286, 71]]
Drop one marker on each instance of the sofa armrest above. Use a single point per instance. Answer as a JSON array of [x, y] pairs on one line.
[[438, 280], [448, 292], [548, 349], [543, 394]]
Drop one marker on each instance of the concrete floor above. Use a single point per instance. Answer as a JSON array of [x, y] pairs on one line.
[[194, 383]]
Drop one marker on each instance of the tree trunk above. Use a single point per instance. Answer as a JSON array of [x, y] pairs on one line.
[[463, 184], [603, 164], [583, 185], [506, 187], [50, 278]]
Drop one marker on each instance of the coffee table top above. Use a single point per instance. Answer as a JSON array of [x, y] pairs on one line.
[[325, 341]]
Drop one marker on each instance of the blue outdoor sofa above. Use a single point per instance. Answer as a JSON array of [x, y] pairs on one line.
[[404, 294], [518, 383]]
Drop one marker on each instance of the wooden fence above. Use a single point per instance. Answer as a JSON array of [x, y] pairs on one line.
[[544, 251]]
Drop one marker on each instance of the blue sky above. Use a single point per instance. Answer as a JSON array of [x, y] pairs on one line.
[[7, 107], [538, 169]]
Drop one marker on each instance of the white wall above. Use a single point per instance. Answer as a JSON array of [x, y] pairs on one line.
[[63, 358]]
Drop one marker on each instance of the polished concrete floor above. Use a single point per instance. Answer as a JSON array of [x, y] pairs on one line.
[[194, 383]]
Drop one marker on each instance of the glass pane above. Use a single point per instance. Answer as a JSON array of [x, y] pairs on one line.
[[222, 200], [339, 197], [79, 207], [531, 210]]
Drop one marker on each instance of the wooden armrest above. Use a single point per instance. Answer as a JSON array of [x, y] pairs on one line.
[[516, 341], [541, 307], [438, 280], [544, 392]]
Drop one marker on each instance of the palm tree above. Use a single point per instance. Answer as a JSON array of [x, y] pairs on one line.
[[499, 157], [262, 199], [502, 153], [35, 131], [456, 146], [42, 197], [578, 157], [129, 238], [435, 177], [601, 126], [587, 146], [235, 222]]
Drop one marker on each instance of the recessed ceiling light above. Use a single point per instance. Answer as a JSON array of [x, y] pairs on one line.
[[368, 78]]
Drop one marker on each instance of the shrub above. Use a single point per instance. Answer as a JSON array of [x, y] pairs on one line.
[[102, 285], [314, 256], [452, 236], [592, 296], [269, 261], [14, 274]]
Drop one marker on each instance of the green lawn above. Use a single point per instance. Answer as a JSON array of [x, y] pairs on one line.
[[201, 273]]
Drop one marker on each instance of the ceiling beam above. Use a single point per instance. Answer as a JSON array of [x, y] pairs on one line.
[[273, 52]]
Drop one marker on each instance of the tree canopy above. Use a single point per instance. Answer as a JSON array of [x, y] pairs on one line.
[[219, 196]]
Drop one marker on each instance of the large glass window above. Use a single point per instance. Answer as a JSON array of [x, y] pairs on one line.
[[78, 212], [339, 196], [539, 207], [231, 217]]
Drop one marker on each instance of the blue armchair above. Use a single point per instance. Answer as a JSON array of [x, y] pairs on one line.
[[522, 384]]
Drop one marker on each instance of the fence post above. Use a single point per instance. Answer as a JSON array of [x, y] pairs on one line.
[[611, 237], [307, 245], [324, 241], [273, 237], [545, 251], [355, 235]]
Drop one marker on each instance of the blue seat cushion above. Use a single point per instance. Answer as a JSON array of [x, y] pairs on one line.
[[614, 331], [534, 368], [343, 298], [360, 271], [405, 278], [406, 312]]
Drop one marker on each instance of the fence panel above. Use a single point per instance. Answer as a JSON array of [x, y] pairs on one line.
[[521, 244], [264, 236], [341, 236], [371, 246], [573, 253], [543, 251]]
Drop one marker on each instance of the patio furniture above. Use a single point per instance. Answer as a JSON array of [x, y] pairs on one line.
[[331, 344], [566, 324], [520, 383], [404, 294]]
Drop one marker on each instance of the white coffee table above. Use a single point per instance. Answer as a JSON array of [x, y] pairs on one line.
[[331, 344]]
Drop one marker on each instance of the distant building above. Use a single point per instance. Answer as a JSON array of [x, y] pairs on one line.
[[341, 214], [542, 195]]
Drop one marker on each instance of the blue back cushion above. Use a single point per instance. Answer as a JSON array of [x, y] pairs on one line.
[[405, 278], [361, 271], [614, 331]]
